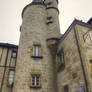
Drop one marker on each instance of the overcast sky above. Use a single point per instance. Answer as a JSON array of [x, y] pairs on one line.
[[10, 16]]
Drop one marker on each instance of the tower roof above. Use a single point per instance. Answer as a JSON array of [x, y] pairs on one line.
[[34, 2], [38, 1]]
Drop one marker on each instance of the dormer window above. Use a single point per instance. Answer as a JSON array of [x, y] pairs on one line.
[[49, 4], [11, 78], [49, 20], [14, 54]]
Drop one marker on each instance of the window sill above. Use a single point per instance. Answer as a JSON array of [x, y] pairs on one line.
[[13, 57], [10, 86], [35, 87], [49, 22], [38, 57]]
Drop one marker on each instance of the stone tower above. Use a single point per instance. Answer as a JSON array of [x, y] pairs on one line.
[[35, 71]]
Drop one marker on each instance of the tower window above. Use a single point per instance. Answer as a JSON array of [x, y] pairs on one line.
[[66, 88], [11, 78], [36, 50], [14, 54], [49, 20], [35, 80], [49, 4]]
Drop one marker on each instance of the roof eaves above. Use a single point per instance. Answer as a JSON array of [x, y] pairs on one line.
[[8, 45]]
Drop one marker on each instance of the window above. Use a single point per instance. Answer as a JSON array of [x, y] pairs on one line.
[[11, 78], [61, 57], [14, 54], [49, 4], [36, 50], [90, 36], [35, 80], [66, 89], [49, 20], [61, 60]]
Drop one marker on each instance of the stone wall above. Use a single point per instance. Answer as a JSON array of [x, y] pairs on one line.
[[72, 74], [85, 42], [6, 63], [34, 32]]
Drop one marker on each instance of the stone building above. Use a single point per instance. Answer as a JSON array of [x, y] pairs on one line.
[[46, 61]]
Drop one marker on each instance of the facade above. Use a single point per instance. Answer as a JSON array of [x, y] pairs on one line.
[[46, 61]]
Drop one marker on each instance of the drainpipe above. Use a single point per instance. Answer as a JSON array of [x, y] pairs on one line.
[[83, 69]]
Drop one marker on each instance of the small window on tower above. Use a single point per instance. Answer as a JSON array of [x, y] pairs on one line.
[[35, 81], [36, 50], [11, 78], [49, 20], [49, 4]]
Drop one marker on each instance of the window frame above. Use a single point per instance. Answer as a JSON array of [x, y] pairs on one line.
[[61, 60], [49, 20], [11, 84], [49, 4], [37, 52], [34, 81], [14, 52]]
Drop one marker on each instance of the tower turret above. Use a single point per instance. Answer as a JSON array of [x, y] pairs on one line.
[[52, 18], [34, 68]]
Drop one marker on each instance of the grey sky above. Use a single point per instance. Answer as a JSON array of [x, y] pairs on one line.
[[10, 16]]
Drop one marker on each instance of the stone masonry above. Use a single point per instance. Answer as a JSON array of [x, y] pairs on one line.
[[60, 63]]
